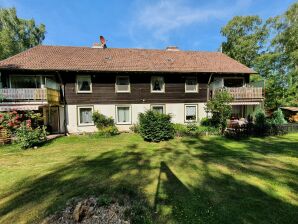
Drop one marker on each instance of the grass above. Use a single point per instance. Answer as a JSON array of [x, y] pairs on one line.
[[185, 180]]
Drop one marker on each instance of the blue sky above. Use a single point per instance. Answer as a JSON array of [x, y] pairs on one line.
[[188, 24]]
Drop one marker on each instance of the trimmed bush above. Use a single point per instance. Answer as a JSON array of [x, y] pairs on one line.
[[155, 126], [27, 137]]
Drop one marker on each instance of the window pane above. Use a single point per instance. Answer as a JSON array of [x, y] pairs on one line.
[[123, 114], [157, 84], [86, 115], [84, 84], [191, 84], [25, 82], [190, 112], [158, 109], [122, 83]]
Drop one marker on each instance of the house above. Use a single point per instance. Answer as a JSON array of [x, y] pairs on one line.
[[67, 84]]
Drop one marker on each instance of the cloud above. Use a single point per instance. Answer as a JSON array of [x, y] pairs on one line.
[[165, 16]]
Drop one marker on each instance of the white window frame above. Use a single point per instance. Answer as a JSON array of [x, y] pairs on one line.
[[116, 84], [130, 114], [159, 105], [157, 91], [83, 77], [190, 121], [197, 85], [79, 117]]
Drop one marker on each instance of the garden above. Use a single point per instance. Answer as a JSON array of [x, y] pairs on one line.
[[212, 172]]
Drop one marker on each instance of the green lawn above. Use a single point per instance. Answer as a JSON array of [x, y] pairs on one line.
[[186, 180]]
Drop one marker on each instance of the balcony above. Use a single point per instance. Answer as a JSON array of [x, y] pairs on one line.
[[29, 96], [243, 93]]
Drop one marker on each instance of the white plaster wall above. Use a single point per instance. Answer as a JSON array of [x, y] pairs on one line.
[[175, 109]]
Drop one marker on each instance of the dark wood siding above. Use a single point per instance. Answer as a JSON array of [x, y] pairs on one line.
[[103, 89]]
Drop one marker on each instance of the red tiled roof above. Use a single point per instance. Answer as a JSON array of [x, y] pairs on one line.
[[60, 58]]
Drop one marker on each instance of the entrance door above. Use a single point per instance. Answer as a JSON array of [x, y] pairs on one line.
[[54, 119]]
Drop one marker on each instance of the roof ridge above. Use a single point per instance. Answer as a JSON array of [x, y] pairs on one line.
[[118, 48]]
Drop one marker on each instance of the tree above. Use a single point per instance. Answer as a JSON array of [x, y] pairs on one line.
[[245, 38], [16, 34], [271, 49], [220, 108]]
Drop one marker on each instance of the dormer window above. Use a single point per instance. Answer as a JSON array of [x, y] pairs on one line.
[[191, 85], [122, 84], [84, 84], [157, 84]]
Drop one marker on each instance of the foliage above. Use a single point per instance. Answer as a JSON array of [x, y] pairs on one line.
[[278, 118], [105, 125], [28, 137], [245, 38], [271, 48], [101, 120], [195, 130], [108, 131], [135, 128], [10, 120], [220, 108], [262, 126], [16, 34], [155, 126], [206, 121]]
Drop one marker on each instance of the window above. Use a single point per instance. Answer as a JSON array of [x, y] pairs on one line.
[[85, 115], [25, 81], [233, 82], [123, 114], [191, 85], [158, 108], [157, 84], [122, 84], [84, 84], [190, 113]]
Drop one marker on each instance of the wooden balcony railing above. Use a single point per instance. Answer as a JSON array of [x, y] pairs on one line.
[[243, 93], [29, 95]]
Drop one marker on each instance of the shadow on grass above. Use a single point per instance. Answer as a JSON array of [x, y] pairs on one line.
[[110, 173], [217, 197]]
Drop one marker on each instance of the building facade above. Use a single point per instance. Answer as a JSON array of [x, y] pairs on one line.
[[67, 84]]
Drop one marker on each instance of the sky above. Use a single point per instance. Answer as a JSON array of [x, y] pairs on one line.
[[155, 24]]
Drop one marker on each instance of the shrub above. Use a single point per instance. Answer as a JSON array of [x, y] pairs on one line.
[[206, 121], [193, 129], [135, 128], [220, 108], [101, 120], [180, 129], [108, 131], [262, 126], [27, 137], [155, 126], [105, 125], [278, 118]]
